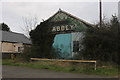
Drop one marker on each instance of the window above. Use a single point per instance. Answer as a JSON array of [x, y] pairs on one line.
[[19, 49], [75, 46]]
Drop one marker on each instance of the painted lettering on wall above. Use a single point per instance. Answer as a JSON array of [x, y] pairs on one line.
[[63, 28]]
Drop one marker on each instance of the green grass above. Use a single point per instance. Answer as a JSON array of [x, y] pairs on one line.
[[65, 67]]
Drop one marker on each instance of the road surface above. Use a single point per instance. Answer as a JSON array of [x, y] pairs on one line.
[[24, 72]]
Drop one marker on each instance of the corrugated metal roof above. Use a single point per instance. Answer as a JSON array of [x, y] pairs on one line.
[[14, 37], [61, 11]]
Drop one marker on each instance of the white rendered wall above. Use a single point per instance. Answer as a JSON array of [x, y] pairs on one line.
[[76, 36]]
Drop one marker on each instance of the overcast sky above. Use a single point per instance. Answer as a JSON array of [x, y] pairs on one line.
[[13, 12]]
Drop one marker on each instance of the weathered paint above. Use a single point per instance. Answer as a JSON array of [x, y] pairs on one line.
[[68, 29], [76, 36], [62, 42], [7, 47], [66, 22]]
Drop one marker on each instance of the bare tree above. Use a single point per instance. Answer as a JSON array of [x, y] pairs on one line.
[[29, 24]]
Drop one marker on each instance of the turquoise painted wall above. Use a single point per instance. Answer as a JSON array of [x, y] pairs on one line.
[[62, 42]]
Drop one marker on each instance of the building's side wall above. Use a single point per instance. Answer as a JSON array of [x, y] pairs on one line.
[[63, 43], [7, 47]]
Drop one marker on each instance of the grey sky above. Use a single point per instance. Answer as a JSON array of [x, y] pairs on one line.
[[12, 12]]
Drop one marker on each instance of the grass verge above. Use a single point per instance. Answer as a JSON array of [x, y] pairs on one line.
[[65, 67]]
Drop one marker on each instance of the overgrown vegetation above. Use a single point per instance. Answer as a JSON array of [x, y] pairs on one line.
[[42, 40], [103, 43]]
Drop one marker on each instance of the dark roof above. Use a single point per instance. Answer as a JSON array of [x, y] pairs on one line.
[[14, 37], [74, 17]]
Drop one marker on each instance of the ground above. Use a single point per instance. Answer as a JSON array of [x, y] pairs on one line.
[[24, 72]]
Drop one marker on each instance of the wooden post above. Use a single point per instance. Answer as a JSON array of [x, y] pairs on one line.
[[95, 65]]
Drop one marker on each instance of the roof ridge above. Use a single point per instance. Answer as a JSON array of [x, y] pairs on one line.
[[60, 10], [75, 17]]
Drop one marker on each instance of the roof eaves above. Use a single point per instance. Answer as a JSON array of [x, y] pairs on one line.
[[26, 40]]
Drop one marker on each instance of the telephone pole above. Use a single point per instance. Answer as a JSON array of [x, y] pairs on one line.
[[100, 6], [119, 10]]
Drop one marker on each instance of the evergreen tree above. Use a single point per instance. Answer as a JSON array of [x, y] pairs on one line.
[[4, 27]]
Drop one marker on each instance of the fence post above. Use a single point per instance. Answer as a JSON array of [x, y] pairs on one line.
[[95, 65]]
